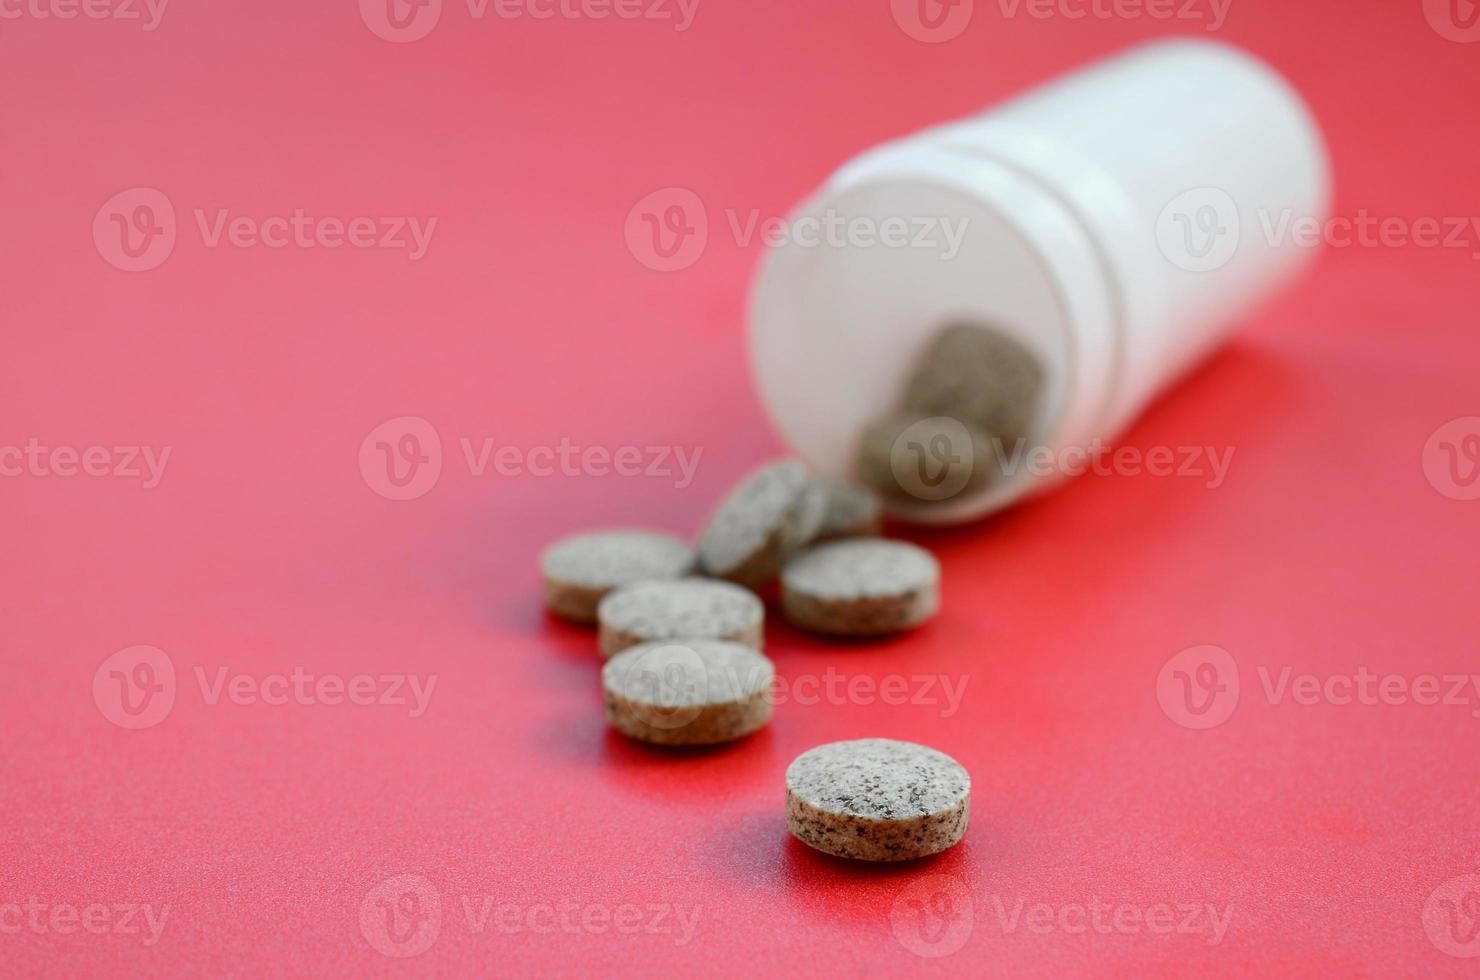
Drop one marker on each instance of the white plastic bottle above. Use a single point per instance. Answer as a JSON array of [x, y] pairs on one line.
[[1117, 222]]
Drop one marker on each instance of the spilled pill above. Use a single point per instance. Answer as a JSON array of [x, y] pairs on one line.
[[688, 692], [688, 608], [876, 799], [774, 511], [851, 512], [861, 587], [581, 569]]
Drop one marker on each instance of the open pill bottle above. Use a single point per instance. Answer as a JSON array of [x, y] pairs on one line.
[[1117, 222]]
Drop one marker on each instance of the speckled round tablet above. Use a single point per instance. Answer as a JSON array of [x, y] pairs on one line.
[[580, 570], [773, 512], [688, 692], [687, 608], [909, 456], [861, 587], [875, 799], [852, 512], [983, 376]]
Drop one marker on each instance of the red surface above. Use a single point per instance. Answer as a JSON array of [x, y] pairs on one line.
[[265, 829]]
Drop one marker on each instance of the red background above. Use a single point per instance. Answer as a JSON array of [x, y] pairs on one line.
[[1326, 828]]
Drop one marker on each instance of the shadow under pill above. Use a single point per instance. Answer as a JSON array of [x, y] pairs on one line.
[[622, 754], [756, 850], [682, 773]]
